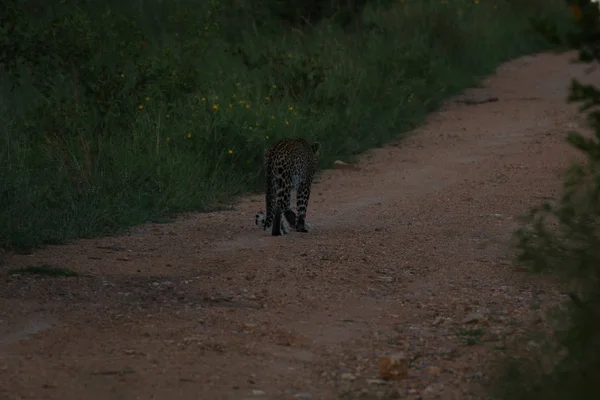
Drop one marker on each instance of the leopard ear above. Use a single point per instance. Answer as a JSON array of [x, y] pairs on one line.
[[316, 147]]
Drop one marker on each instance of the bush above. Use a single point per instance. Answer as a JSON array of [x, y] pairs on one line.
[[564, 239], [116, 113]]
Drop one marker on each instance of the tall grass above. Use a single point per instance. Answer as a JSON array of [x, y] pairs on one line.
[[125, 112]]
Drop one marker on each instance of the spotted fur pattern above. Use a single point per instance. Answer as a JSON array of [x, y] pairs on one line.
[[290, 164]]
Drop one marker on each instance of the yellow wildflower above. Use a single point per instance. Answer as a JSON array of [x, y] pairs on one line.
[[189, 135], [247, 105], [140, 107], [147, 98], [274, 86], [286, 122], [215, 107], [203, 99], [229, 151], [230, 105], [291, 108]]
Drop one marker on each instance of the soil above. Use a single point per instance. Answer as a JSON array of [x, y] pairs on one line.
[[408, 253]]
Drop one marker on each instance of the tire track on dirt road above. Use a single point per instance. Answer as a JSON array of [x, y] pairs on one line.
[[401, 251]]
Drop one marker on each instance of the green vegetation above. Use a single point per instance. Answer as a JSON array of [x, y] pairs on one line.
[[45, 270], [471, 336], [114, 113], [564, 239]]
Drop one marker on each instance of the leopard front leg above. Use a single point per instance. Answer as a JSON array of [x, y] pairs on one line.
[[302, 197]]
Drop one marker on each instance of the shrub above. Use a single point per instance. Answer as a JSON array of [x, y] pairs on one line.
[[564, 239]]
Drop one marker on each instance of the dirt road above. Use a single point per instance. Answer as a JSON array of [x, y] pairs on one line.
[[408, 254]]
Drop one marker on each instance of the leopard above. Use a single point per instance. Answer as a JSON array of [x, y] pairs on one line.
[[290, 164]]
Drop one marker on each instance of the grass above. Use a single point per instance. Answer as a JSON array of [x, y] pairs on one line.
[[135, 112], [471, 336], [44, 270]]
